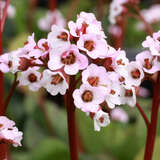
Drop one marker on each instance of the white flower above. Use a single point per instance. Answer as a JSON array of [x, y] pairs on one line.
[[101, 119], [94, 47], [58, 37], [54, 82], [69, 58], [9, 133], [132, 73], [30, 78], [88, 98]]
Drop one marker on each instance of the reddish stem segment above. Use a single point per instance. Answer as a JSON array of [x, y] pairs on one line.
[[151, 134], [143, 114], [3, 151], [141, 18], [71, 122], [52, 4], [11, 91], [1, 75]]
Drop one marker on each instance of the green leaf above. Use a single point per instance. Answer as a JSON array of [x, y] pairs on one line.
[[50, 149]]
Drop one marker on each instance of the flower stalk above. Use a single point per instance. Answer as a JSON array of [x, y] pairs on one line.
[[73, 145], [151, 134]]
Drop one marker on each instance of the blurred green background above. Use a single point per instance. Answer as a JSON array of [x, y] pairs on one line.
[[42, 142]]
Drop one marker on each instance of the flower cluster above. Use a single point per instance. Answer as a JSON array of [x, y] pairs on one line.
[[9, 133], [55, 17], [108, 79]]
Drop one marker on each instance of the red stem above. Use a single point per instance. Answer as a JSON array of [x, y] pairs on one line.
[[71, 122], [52, 4], [143, 114], [43, 108], [3, 151], [151, 134], [141, 18], [4, 15], [1, 74], [10, 94]]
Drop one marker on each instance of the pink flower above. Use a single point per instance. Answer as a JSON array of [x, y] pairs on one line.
[[149, 63], [58, 37], [153, 43], [4, 63], [69, 58], [128, 96], [96, 76], [101, 119], [94, 47], [30, 43], [118, 114], [30, 78], [51, 18], [86, 24], [9, 133], [132, 73], [54, 82], [114, 97], [88, 98]]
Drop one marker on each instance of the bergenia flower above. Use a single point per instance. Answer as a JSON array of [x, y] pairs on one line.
[[94, 47], [101, 119], [30, 78], [153, 43], [9, 133], [86, 24], [69, 58], [58, 37], [4, 63], [149, 63], [54, 82], [133, 74], [96, 76], [88, 98]]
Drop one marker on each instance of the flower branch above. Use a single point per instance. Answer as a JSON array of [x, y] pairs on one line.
[[143, 115]]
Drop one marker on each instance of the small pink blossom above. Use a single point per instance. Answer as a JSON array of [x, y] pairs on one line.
[[96, 76], [70, 59], [88, 98], [132, 73], [153, 43], [86, 24], [30, 78], [9, 133], [101, 119], [128, 96], [58, 37], [4, 63], [94, 47], [149, 63], [54, 82]]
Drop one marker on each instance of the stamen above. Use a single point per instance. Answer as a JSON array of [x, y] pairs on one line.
[[56, 79]]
